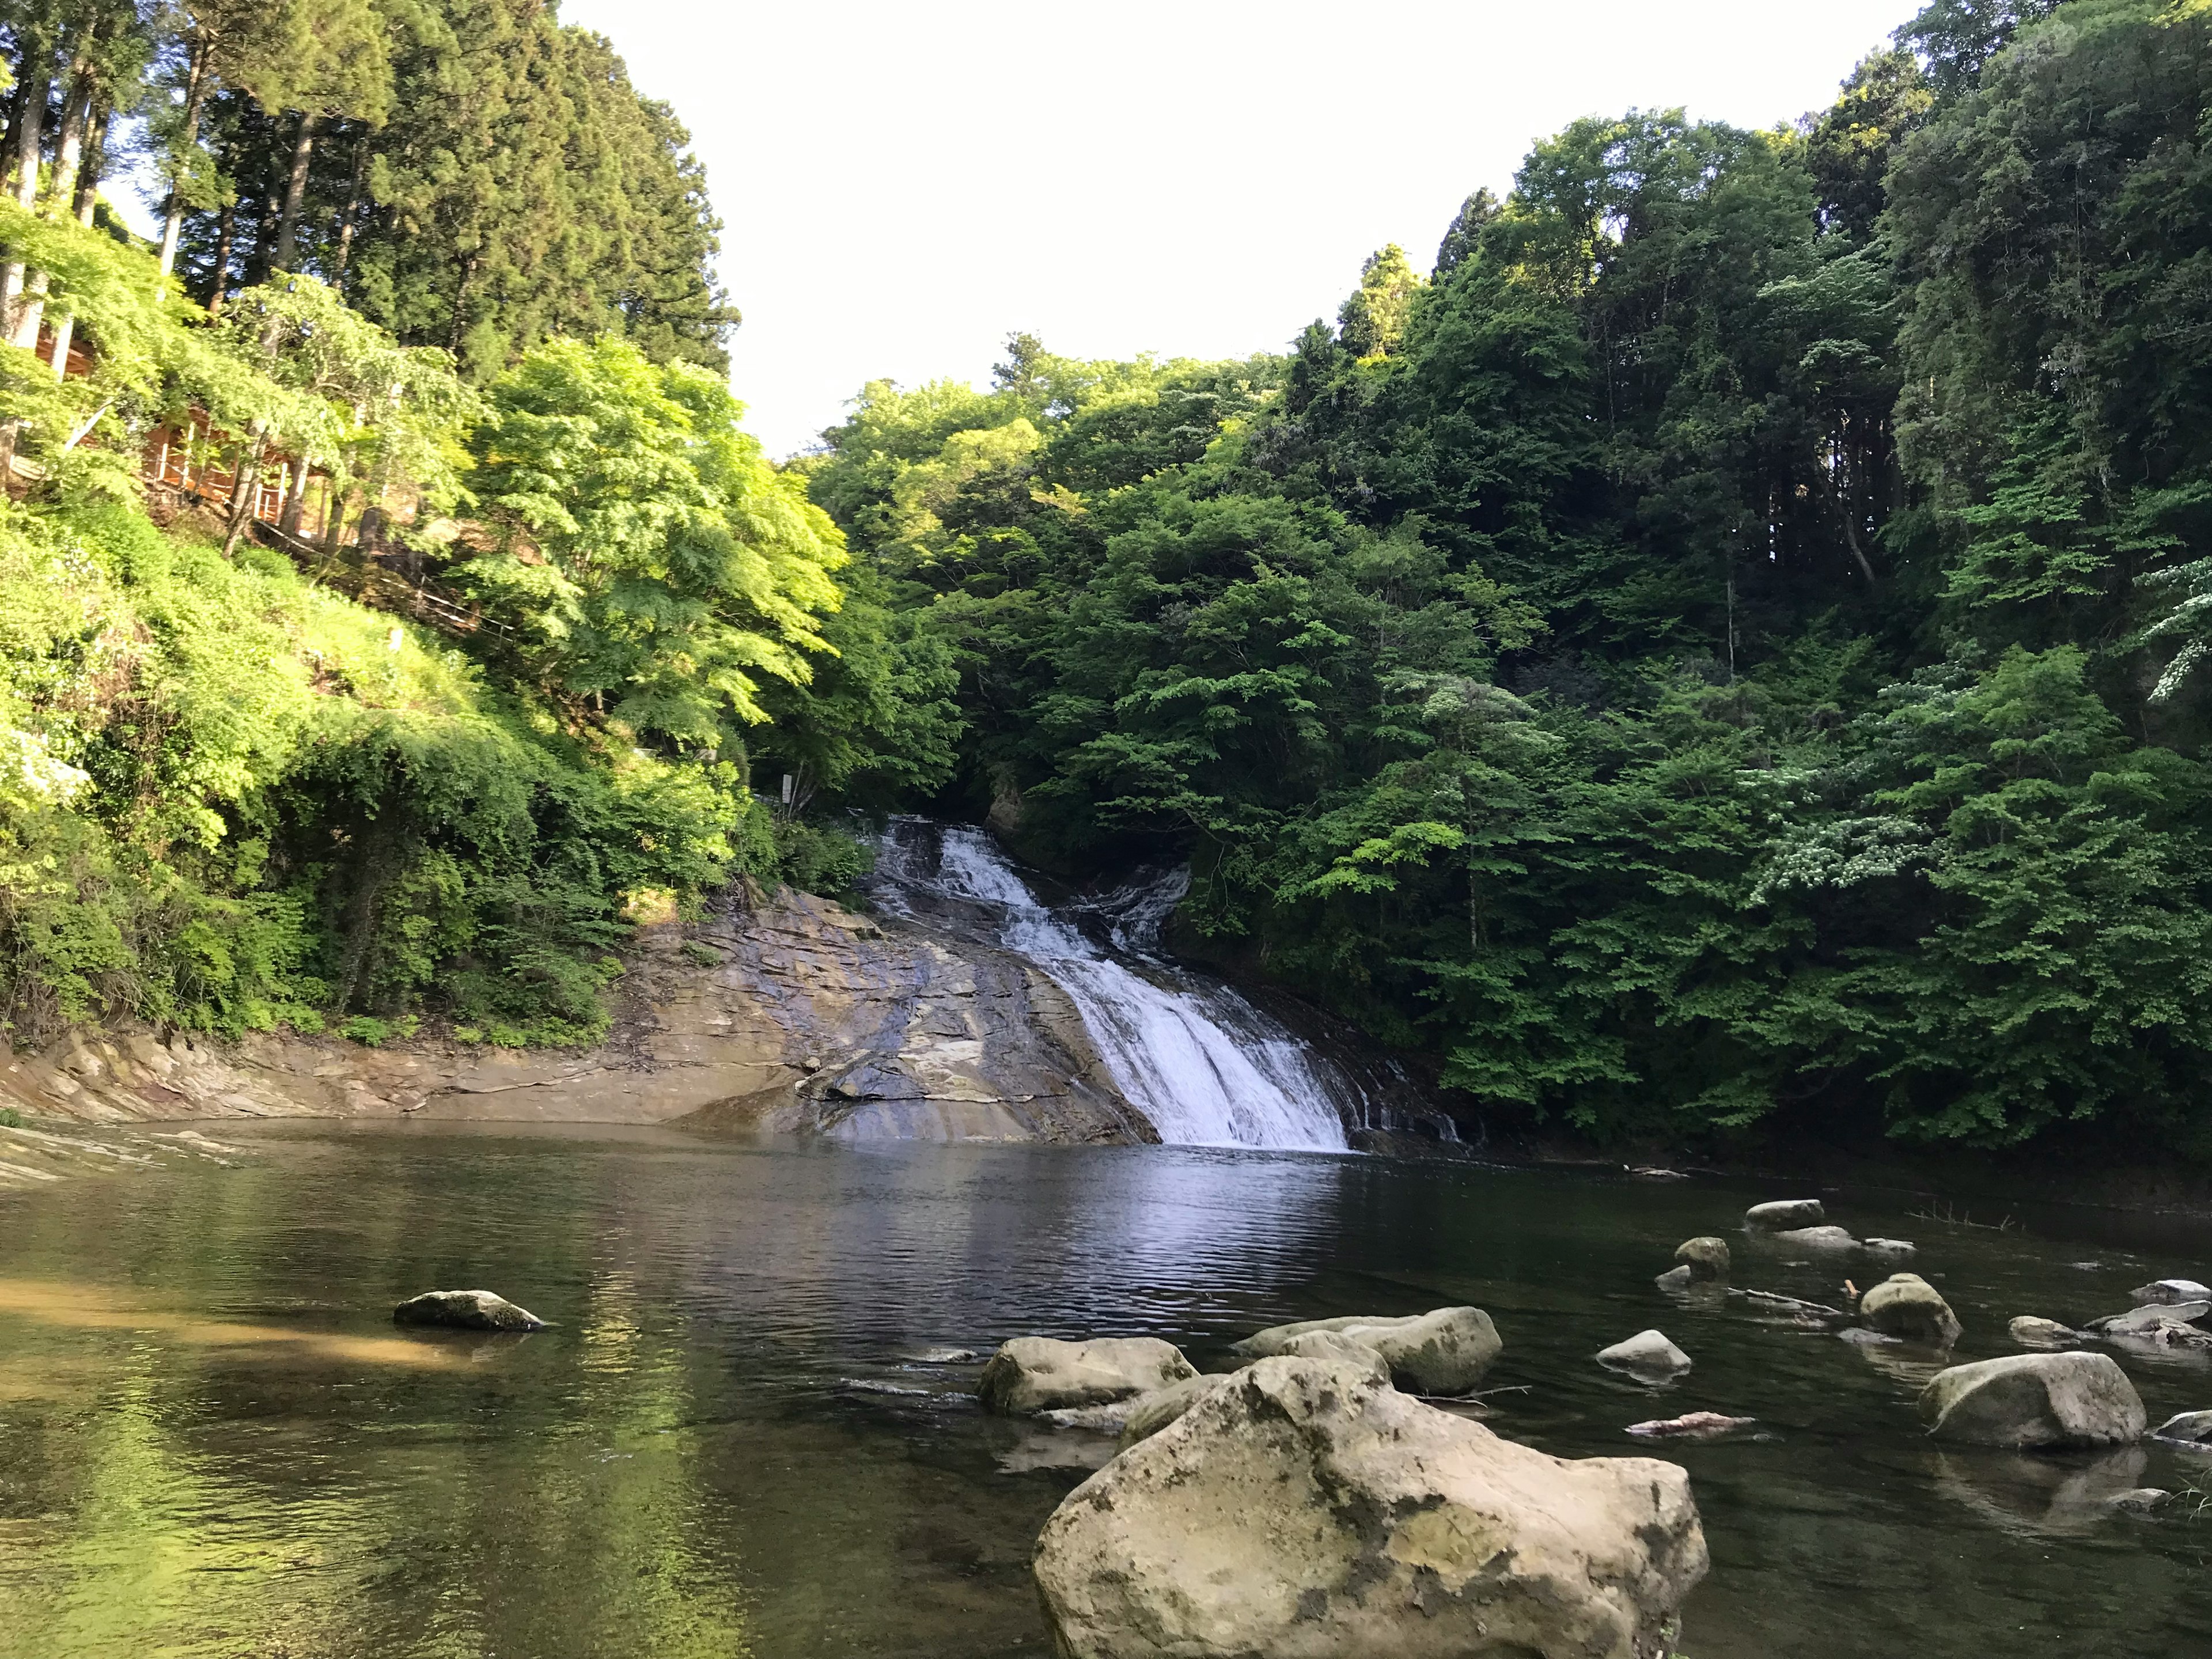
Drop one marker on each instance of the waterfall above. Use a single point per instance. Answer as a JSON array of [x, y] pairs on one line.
[[1205, 1066]]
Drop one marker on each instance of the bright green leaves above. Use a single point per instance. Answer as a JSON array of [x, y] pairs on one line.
[[654, 563]]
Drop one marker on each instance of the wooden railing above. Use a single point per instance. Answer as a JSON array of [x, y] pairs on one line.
[[375, 583]]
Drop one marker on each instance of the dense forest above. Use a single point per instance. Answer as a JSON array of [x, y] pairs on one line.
[[1726, 644]]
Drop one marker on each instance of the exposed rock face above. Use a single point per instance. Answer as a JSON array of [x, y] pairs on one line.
[[1907, 1305], [2033, 1333], [2034, 1399], [466, 1310], [1301, 1510], [1646, 1354], [1034, 1374], [1706, 1258], [796, 1016], [1785, 1212], [1444, 1351]]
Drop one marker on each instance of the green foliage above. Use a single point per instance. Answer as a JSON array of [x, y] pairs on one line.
[[1690, 660]]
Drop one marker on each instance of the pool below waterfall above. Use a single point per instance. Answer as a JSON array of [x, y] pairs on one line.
[[750, 1430]]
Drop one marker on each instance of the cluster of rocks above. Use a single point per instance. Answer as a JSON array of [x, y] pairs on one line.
[[1311, 1502], [2055, 1396]]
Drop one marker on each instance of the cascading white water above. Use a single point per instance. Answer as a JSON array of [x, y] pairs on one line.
[[1205, 1066]]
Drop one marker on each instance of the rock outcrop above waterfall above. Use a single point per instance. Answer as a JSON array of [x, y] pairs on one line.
[[1301, 1508], [792, 1015]]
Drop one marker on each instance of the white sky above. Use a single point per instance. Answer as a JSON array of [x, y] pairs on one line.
[[905, 182]]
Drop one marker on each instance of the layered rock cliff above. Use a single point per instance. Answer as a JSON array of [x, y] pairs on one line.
[[793, 1015]]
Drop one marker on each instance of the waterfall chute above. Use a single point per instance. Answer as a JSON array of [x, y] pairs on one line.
[[1197, 1059]]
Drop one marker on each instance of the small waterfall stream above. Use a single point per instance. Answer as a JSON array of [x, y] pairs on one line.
[[1205, 1066]]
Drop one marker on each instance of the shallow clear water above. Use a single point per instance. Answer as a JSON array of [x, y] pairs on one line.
[[214, 1442]]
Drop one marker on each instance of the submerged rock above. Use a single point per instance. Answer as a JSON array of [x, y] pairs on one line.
[[1303, 1509], [1444, 1350], [2139, 1500], [1693, 1425], [2165, 1293], [1032, 1375], [466, 1310], [1907, 1305], [1646, 1354], [2033, 1333], [1706, 1258], [2034, 1400], [1784, 1213], [1832, 1239]]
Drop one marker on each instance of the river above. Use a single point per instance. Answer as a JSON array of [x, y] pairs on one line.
[[744, 1435]]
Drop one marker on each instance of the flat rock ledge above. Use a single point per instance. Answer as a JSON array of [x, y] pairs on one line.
[[1301, 1510], [790, 1015]]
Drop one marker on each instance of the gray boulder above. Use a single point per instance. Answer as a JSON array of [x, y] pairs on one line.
[[1301, 1510], [2150, 1320], [2186, 1428], [2165, 1293], [1834, 1240], [1706, 1258], [1646, 1354], [1907, 1305], [1785, 1212], [2034, 1399], [1444, 1351], [2033, 1333], [1148, 1413], [1890, 1249], [1031, 1375], [2139, 1500], [466, 1310]]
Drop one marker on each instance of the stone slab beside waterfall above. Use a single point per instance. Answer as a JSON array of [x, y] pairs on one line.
[[794, 1016], [1301, 1510]]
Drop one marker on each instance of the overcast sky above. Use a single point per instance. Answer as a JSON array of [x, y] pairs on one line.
[[905, 184]]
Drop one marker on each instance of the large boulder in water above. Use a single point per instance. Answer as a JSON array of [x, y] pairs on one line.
[[1831, 1239], [1784, 1214], [1907, 1305], [1034, 1374], [2034, 1399], [2166, 1292], [1444, 1350], [1301, 1510], [466, 1310], [1648, 1355], [1707, 1258]]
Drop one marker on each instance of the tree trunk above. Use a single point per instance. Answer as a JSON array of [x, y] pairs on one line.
[[88, 198], [295, 191], [245, 493], [27, 135], [68, 143], [195, 96], [295, 499], [226, 232], [352, 208]]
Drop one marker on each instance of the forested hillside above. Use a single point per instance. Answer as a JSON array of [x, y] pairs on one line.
[[446, 290], [1725, 643]]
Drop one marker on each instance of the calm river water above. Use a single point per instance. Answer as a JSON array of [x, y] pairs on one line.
[[743, 1438]]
